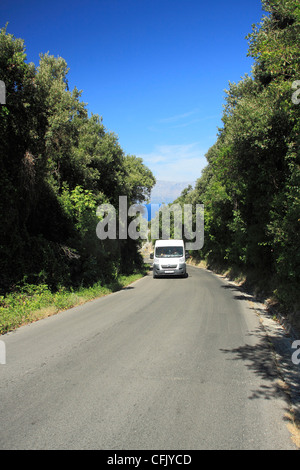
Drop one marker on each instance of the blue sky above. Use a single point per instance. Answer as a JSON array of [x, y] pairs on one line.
[[155, 70]]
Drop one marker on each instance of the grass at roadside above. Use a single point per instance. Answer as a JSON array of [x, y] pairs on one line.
[[34, 302]]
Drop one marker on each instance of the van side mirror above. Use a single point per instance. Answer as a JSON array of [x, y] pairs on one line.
[[151, 255], [187, 256]]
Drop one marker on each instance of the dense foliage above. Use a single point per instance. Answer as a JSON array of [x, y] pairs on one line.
[[57, 164], [251, 184]]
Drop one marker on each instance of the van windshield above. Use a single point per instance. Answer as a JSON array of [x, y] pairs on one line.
[[169, 252]]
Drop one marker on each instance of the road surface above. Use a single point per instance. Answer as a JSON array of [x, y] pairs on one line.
[[163, 364]]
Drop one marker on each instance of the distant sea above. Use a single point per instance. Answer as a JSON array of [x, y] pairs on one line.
[[164, 192]]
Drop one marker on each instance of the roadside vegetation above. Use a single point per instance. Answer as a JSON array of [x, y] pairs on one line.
[[30, 302], [250, 187], [58, 164]]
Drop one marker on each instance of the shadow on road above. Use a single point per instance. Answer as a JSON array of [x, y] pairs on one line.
[[258, 359], [271, 358]]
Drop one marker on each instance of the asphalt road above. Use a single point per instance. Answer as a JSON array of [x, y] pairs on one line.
[[163, 364]]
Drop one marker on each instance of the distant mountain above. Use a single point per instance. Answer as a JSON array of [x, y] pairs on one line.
[[167, 191]]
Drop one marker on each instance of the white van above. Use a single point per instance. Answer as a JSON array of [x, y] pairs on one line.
[[169, 258]]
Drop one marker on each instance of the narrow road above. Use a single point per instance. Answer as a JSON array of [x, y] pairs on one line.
[[163, 364]]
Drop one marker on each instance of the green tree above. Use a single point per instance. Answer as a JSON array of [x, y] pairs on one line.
[[250, 186], [57, 164], [140, 179]]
